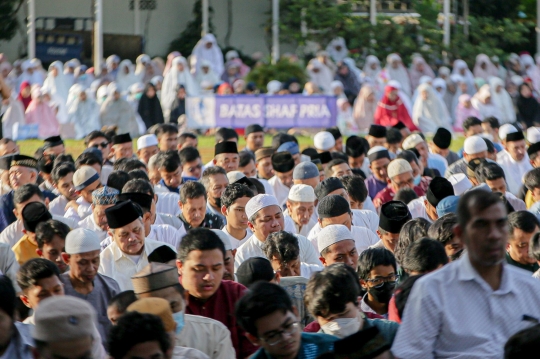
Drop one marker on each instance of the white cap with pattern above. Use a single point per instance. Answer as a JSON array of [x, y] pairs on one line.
[[259, 202], [302, 193], [332, 234], [82, 240], [397, 167]]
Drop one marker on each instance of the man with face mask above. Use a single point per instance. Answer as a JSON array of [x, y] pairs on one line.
[[332, 298], [158, 280], [377, 270]]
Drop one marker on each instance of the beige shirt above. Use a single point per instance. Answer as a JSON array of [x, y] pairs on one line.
[[207, 335]]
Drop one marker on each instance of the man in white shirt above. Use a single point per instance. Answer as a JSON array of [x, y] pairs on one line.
[[300, 208], [62, 177], [429, 160], [263, 162], [147, 146], [214, 181], [129, 252], [102, 198], [394, 215], [283, 164], [337, 245], [493, 175], [514, 160], [248, 167], [86, 180], [233, 207], [426, 206], [494, 300], [265, 217], [161, 281]]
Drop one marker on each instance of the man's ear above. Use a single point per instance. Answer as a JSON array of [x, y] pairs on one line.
[[146, 216], [25, 301], [253, 339], [179, 266], [65, 257], [180, 204], [251, 227], [24, 231], [39, 252], [323, 261], [224, 210], [214, 161], [289, 207]]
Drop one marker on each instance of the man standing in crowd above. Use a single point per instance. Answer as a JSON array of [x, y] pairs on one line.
[[147, 146], [473, 147], [514, 159], [193, 202], [254, 136], [263, 162], [379, 159], [233, 206], [523, 225], [122, 146], [102, 198], [226, 156], [214, 181], [300, 208], [283, 164]]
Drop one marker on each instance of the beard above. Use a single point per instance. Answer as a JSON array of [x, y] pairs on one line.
[[217, 201]]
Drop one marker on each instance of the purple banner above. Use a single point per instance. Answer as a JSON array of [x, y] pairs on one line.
[[238, 111]]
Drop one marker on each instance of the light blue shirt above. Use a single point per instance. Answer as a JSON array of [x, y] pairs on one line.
[[437, 162]]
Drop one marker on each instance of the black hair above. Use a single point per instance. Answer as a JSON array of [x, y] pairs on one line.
[[225, 134], [211, 171], [233, 192], [138, 174], [282, 245], [488, 171], [328, 170], [62, 171], [182, 138], [524, 220], [474, 202], [442, 229], [188, 154], [280, 138], [470, 122], [493, 122], [34, 270], [372, 257], [93, 135], [133, 164], [523, 344], [245, 158], [408, 156], [258, 186], [405, 195], [202, 239], [192, 190], [117, 179], [393, 136], [532, 179], [166, 128], [262, 299], [339, 156], [25, 192], [7, 296], [411, 231], [534, 246], [63, 158], [122, 300], [134, 328], [119, 164], [490, 146], [423, 256], [403, 291], [169, 161], [329, 291], [45, 231], [138, 186], [88, 159], [355, 187]]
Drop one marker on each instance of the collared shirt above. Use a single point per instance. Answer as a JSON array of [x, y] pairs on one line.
[[24, 250], [387, 194], [210, 209], [367, 309], [9, 265], [304, 231], [166, 234], [460, 316], [210, 221], [254, 248], [7, 206], [161, 185], [528, 267], [90, 223], [168, 203], [58, 205], [513, 170], [235, 243], [518, 204], [451, 157], [374, 185], [363, 238], [217, 342], [281, 192], [116, 264], [311, 346], [14, 232], [417, 208], [104, 289], [162, 218], [84, 210], [220, 306]]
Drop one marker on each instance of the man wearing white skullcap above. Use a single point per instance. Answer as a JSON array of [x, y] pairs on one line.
[[229, 257], [324, 141], [82, 280], [300, 208], [474, 147], [533, 135], [336, 245], [147, 146], [429, 160], [514, 160], [400, 175], [265, 216], [460, 182]]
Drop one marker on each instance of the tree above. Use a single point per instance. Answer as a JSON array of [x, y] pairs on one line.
[[192, 33], [8, 18]]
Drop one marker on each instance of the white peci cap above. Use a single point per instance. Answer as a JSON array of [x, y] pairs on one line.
[[324, 141], [474, 144], [397, 167], [505, 129], [82, 240], [259, 202], [147, 141], [411, 141], [533, 134], [460, 182], [332, 234], [302, 193]]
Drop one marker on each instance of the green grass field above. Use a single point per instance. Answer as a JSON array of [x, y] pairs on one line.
[[206, 145]]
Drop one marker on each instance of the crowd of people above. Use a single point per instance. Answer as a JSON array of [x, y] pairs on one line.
[[71, 99], [377, 246]]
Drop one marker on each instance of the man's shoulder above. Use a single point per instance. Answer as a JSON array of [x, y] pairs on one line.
[[522, 279], [318, 338], [109, 282], [235, 288], [204, 321]]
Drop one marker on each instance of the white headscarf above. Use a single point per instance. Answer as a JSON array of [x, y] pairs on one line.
[[503, 101], [468, 77], [399, 74], [171, 81], [323, 79], [213, 54], [58, 86], [528, 65], [489, 71], [210, 77], [125, 80], [485, 110], [335, 54], [430, 114], [83, 114], [273, 87], [416, 75], [369, 73]]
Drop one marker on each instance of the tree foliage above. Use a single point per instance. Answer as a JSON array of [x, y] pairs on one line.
[[8, 18], [192, 33], [282, 71]]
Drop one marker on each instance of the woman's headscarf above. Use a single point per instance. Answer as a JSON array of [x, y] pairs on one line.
[[502, 101], [390, 112], [323, 78], [41, 113], [352, 66], [431, 113], [337, 49], [489, 71], [462, 113], [84, 115], [170, 58], [399, 74], [125, 80], [149, 108], [58, 86], [528, 108], [417, 74], [532, 71], [485, 109], [213, 54], [351, 83], [461, 66], [25, 100], [370, 74], [171, 81], [364, 111]]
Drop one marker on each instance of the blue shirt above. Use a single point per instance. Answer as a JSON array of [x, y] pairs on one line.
[[437, 162], [171, 189], [7, 206], [312, 345]]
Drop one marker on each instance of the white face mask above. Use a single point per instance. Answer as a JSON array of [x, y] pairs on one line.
[[342, 327]]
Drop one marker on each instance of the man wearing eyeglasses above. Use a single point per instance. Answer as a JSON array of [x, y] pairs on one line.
[[99, 140], [270, 320], [377, 271]]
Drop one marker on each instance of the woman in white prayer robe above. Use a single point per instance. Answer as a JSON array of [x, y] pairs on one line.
[[83, 112], [178, 75], [208, 49], [429, 111]]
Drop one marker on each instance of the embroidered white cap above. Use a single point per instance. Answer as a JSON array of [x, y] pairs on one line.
[[302, 193], [147, 141], [259, 202], [332, 234]]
